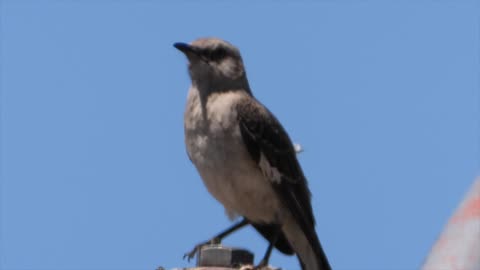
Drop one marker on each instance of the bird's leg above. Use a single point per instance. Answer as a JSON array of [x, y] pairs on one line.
[[216, 239], [264, 262]]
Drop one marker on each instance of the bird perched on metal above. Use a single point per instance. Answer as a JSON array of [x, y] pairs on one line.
[[244, 155]]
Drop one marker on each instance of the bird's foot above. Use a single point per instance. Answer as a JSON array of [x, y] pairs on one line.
[[196, 249], [263, 264]]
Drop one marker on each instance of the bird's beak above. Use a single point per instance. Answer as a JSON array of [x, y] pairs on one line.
[[184, 47]]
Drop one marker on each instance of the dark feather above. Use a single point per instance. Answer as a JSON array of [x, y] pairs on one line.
[[267, 232], [264, 135]]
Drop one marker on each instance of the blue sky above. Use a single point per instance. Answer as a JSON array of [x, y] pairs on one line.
[[382, 95]]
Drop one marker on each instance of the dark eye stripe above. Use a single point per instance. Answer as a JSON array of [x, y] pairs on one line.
[[216, 54]]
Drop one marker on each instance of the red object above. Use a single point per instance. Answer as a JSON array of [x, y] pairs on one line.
[[458, 247]]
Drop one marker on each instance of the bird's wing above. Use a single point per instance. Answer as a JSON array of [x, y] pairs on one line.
[[271, 148]]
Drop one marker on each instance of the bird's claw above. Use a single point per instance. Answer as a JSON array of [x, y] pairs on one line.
[[262, 265], [196, 249], [191, 254]]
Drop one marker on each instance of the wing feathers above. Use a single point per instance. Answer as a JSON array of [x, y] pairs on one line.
[[269, 145]]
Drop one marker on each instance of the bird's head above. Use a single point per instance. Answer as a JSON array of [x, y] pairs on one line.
[[213, 61]]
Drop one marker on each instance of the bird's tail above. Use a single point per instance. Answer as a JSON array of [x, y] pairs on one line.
[[307, 246]]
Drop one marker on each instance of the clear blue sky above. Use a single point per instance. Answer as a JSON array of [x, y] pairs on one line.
[[383, 96]]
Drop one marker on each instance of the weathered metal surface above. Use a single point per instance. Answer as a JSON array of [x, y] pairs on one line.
[[218, 257]]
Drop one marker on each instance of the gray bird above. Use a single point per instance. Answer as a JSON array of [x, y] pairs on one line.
[[244, 155]]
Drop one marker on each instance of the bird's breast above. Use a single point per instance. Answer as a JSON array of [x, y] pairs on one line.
[[212, 132], [215, 146]]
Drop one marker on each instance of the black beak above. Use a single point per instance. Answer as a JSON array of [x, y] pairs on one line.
[[184, 47]]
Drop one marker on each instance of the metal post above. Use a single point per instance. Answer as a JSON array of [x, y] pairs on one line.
[[219, 257]]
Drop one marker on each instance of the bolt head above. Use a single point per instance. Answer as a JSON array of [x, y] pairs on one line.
[[221, 256]]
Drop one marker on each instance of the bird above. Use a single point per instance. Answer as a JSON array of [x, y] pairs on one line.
[[244, 155]]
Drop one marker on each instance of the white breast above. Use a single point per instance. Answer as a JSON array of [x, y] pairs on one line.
[[215, 146]]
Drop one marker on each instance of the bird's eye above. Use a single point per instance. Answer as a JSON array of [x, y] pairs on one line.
[[217, 54]]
